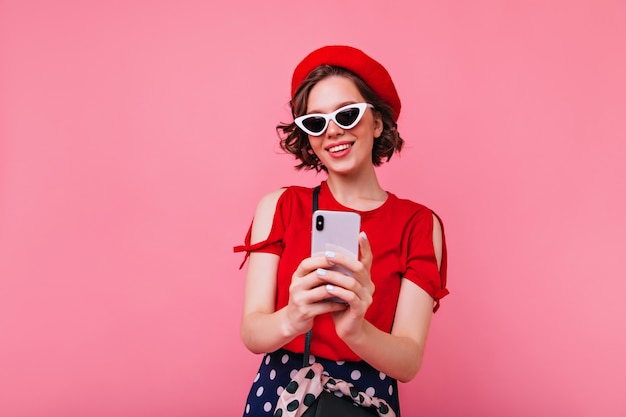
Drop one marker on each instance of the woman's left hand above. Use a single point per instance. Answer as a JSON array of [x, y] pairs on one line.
[[357, 291]]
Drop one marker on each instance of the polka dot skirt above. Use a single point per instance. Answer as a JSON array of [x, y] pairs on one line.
[[278, 368]]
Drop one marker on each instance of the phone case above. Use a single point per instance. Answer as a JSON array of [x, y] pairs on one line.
[[336, 231]]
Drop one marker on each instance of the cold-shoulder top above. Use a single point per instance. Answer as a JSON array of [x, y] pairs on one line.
[[400, 233]]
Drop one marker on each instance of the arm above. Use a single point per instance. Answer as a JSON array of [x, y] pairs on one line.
[[263, 328], [400, 353]]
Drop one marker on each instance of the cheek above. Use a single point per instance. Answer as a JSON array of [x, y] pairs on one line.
[[315, 145]]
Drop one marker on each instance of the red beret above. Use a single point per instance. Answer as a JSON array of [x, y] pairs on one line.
[[354, 60]]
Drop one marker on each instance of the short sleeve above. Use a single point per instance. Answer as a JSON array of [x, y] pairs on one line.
[[421, 262], [274, 241]]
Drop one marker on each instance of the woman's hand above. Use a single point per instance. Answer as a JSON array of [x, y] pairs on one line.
[[357, 291], [307, 295]]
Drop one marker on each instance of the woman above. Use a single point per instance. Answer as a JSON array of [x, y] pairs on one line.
[[345, 108]]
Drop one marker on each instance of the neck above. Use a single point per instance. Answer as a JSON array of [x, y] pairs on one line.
[[359, 192]]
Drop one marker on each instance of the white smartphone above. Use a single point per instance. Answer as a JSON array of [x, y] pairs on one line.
[[336, 231]]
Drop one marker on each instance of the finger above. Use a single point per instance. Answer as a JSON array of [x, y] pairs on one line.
[[309, 265], [348, 288], [329, 303], [358, 301], [302, 288], [358, 269], [350, 263], [365, 250], [308, 289], [316, 301], [349, 297], [339, 259], [338, 279]]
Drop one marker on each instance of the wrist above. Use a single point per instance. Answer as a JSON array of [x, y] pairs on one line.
[[287, 329], [358, 337]]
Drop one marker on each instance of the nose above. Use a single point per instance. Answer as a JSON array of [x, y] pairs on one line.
[[333, 129]]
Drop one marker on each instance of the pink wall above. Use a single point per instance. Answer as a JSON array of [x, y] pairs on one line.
[[136, 138]]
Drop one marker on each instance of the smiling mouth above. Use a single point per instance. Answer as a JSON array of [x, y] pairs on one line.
[[339, 148]]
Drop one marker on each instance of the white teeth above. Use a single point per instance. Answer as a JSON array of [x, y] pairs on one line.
[[339, 148]]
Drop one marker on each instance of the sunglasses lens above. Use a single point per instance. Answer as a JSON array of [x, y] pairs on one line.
[[348, 116], [314, 124]]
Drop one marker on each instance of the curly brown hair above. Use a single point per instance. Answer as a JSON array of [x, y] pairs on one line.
[[294, 141]]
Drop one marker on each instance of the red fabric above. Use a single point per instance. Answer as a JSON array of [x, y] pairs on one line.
[[400, 234], [356, 61]]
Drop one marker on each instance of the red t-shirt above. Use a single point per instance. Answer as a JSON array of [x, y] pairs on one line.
[[400, 233]]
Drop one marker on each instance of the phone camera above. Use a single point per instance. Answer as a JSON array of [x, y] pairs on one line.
[[319, 223]]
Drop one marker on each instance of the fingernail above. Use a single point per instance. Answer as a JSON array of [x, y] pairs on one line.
[[329, 254], [330, 287], [363, 235], [321, 272]]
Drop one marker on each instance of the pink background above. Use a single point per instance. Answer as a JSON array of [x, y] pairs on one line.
[[137, 136]]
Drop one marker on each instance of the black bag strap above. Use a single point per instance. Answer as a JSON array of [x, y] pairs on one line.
[[316, 193], [309, 334]]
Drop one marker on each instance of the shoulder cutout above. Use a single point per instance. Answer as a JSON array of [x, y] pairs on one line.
[[264, 215], [437, 240]]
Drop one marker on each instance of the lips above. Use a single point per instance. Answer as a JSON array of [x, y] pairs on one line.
[[340, 147]]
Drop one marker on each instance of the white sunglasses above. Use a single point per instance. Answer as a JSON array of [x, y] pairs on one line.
[[346, 118]]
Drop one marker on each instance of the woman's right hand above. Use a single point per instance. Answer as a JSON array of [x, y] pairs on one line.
[[308, 296]]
